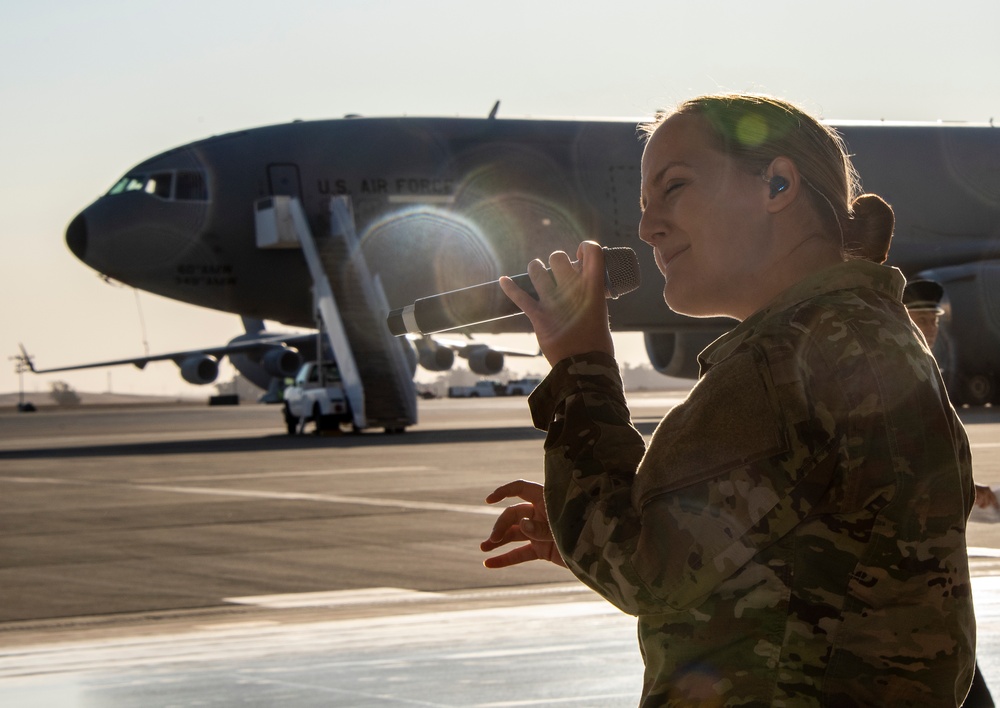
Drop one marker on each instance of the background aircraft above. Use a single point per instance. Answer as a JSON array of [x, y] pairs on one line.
[[267, 358], [443, 203]]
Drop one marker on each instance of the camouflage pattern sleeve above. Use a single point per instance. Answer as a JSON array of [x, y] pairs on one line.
[[591, 452]]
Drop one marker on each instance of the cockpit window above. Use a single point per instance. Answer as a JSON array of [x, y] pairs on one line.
[[173, 185], [159, 185], [128, 183], [191, 186]]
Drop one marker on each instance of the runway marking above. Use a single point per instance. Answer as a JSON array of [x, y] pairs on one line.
[[115, 438], [553, 701], [300, 473], [390, 595], [329, 498], [36, 480], [414, 505], [335, 598]]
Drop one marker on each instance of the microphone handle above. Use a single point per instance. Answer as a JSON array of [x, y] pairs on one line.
[[459, 308], [487, 302]]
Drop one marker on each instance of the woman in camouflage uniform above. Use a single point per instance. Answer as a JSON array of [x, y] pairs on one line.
[[794, 533]]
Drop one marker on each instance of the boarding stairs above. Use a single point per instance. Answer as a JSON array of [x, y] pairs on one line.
[[374, 367]]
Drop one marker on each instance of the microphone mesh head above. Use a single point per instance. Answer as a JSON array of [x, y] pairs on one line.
[[621, 271]]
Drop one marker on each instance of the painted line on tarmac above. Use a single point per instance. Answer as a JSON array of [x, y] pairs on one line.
[[410, 504], [392, 596], [299, 473], [327, 498], [118, 438], [336, 598]]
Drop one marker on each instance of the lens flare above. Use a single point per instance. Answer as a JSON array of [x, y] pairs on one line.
[[751, 130], [424, 250]]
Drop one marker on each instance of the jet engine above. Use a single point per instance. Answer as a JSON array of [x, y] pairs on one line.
[[199, 369], [281, 362], [676, 353], [485, 361], [434, 357]]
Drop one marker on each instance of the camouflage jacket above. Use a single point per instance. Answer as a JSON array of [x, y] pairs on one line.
[[795, 533]]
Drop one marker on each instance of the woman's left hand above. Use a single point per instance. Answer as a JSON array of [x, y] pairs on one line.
[[985, 498], [521, 522]]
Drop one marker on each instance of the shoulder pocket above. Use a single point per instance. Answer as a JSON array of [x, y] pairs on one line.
[[731, 419]]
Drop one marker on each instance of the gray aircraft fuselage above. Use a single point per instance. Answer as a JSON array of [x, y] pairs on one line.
[[443, 203]]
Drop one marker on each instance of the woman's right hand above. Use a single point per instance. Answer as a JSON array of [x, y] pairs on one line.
[[570, 316], [521, 522]]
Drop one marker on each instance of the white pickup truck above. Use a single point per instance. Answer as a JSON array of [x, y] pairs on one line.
[[316, 395], [522, 387], [490, 389], [482, 389]]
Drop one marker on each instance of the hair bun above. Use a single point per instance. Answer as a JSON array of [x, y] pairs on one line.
[[869, 231]]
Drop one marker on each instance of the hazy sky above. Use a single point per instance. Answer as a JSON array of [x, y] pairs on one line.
[[89, 89]]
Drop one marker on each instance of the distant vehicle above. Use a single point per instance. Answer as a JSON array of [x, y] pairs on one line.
[[522, 387], [488, 388], [316, 395]]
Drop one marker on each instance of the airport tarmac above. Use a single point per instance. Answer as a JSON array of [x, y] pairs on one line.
[[195, 556]]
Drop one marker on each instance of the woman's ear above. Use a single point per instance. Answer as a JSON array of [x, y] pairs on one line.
[[783, 183]]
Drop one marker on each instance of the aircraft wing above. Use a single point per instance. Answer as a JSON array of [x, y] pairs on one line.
[[236, 346], [436, 354], [263, 357]]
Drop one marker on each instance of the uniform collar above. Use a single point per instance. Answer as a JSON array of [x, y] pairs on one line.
[[842, 276]]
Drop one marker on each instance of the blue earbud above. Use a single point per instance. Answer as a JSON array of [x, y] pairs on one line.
[[778, 185]]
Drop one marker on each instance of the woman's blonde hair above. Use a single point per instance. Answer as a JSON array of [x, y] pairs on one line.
[[755, 129]]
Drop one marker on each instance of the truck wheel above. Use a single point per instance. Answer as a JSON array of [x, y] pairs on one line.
[[291, 422], [318, 418]]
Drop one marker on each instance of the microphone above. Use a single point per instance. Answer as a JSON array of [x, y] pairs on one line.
[[487, 302]]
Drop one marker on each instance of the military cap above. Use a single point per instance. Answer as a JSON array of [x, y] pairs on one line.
[[923, 295]]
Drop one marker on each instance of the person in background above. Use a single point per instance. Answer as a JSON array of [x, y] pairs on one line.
[[922, 298], [794, 533]]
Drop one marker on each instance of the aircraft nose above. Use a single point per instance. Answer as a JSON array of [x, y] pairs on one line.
[[76, 236]]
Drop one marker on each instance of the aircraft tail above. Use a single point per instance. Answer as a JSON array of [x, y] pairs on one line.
[[252, 325], [25, 359]]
